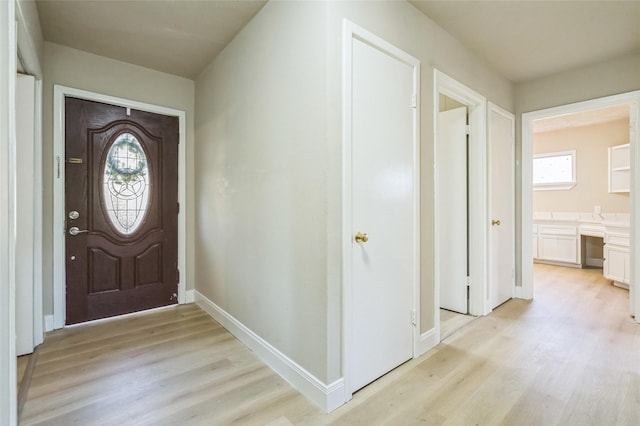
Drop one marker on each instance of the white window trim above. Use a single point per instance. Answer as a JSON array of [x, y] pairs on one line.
[[557, 186]]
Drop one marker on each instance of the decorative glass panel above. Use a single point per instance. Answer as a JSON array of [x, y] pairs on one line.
[[126, 184]]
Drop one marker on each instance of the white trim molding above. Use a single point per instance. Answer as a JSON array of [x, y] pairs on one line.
[[428, 340], [59, 281], [326, 396], [478, 232], [633, 100], [48, 323]]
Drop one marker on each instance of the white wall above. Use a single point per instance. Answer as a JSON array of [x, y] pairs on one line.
[[269, 164], [592, 168], [261, 171], [618, 75], [74, 68]]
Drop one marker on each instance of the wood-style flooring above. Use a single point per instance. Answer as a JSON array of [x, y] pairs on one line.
[[450, 322], [569, 357]]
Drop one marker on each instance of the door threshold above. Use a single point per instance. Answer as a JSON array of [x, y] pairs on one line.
[[123, 316]]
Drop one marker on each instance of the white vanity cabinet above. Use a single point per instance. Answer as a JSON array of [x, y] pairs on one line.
[[535, 241], [558, 243], [616, 266]]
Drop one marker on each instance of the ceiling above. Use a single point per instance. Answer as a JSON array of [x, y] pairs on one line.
[[521, 40], [584, 118], [524, 40], [176, 37]]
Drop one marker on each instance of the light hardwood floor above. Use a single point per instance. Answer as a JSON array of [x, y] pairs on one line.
[[570, 357], [450, 322]]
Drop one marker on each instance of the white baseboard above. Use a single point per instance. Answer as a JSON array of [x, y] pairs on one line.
[[428, 340], [327, 397], [519, 293], [189, 296], [48, 323]]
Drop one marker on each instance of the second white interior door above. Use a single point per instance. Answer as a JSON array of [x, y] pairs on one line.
[[451, 167]]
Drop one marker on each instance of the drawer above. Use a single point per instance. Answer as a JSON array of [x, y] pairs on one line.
[[558, 230], [617, 239]]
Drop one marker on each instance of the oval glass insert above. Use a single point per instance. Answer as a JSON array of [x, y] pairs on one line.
[[126, 184]]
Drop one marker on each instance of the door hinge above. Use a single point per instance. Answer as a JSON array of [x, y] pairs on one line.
[[178, 275], [414, 101], [413, 317], [467, 129], [178, 209], [468, 281]]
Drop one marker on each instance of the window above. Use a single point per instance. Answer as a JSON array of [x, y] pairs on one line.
[[554, 171], [126, 184]]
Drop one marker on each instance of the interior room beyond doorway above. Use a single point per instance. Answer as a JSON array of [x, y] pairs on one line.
[[581, 184]]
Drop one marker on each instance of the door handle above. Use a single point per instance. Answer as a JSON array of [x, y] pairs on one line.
[[74, 230], [361, 237], [495, 222]]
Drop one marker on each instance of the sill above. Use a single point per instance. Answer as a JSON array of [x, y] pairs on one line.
[[554, 186]]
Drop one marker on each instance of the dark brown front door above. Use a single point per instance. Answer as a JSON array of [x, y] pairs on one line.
[[121, 210]]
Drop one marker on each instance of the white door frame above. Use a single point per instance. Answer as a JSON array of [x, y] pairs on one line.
[[631, 98], [59, 264], [350, 32], [8, 388], [31, 64], [478, 203], [495, 108]]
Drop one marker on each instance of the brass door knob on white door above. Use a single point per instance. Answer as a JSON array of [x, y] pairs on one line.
[[361, 237], [495, 222]]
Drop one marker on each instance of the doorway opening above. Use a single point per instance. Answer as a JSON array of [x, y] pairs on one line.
[[595, 227], [453, 209], [581, 181], [460, 187]]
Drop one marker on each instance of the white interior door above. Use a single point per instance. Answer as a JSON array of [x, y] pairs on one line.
[[502, 204], [383, 206], [25, 136], [451, 172]]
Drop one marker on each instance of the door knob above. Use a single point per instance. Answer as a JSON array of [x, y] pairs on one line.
[[495, 222], [361, 237], [74, 230]]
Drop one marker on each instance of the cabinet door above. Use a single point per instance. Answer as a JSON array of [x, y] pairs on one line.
[[627, 268], [619, 168], [616, 264], [558, 249]]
